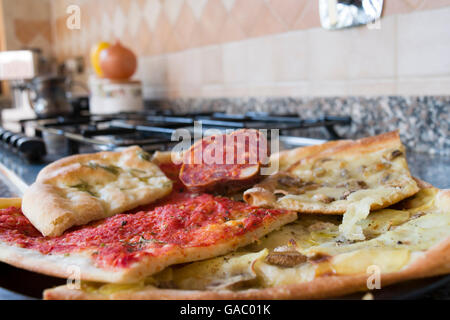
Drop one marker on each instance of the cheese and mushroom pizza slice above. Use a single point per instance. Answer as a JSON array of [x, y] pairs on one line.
[[350, 178], [307, 259], [79, 189], [128, 247]]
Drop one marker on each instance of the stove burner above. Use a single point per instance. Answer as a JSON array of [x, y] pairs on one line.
[[151, 130]]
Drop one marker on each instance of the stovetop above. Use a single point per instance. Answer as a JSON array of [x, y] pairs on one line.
[[37, 139]]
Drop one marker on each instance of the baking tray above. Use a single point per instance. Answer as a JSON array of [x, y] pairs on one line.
[[17, 284]]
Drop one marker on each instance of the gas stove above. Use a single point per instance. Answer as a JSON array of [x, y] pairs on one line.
[[152, 130]]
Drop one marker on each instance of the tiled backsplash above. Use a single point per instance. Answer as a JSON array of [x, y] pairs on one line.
[[235, 48], [234, 53], [27, 23]]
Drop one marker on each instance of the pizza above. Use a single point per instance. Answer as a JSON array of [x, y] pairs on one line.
[[350, 178], [307, 259], [208, 239], [79, 189], [129, 246]]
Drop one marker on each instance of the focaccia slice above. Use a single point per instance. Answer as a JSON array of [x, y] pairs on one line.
[[130, 246], [307, 259], [79, 189], [353, 177]]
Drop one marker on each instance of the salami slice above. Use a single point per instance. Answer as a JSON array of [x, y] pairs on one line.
[[225, 162]]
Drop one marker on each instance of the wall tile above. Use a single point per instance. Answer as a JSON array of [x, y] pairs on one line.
[[309, 16], [151, 12], [372, 52], [290, 54], [185, 69], [212, 65], [288, 10], [153, 71], [231, 31], [371, 87], [235, 57], [185, 26], [172, 9], [213, 19], [197, 7], [328, 54], [424, 86], [243, 47], [228, 4], [246, 12], [260, 62], [267, 23], [423, 46]]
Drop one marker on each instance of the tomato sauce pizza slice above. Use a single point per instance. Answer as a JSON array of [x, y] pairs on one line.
[[128, 247]]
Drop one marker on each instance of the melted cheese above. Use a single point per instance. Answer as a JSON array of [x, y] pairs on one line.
[[355, 183]]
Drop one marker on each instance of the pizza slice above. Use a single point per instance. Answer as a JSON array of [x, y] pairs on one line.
[[350, 178], [128, 247], [307, 259], [79, 189]]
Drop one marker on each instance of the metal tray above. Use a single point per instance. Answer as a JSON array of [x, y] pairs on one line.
[[17, 284]]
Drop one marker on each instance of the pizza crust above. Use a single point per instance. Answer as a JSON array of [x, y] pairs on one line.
[[83, 188], [287, 158]]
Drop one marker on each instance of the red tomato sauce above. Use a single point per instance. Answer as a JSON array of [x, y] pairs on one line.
[[179, 221]]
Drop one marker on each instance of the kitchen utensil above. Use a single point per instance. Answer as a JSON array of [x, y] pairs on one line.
[[48, 96], [338, 14]]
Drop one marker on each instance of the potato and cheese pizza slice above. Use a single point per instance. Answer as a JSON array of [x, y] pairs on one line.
[[350, 178], [307, 259], [79, 189], [130, 246]]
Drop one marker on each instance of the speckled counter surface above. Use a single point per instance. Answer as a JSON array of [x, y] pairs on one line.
[[434, 169]]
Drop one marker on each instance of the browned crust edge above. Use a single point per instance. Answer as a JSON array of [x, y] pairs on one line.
[[287, 158]]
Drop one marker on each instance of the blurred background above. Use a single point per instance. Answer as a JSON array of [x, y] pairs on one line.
[[235, 48], [306, 59]]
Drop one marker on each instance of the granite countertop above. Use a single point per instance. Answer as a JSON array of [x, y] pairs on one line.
[[434, 169]]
